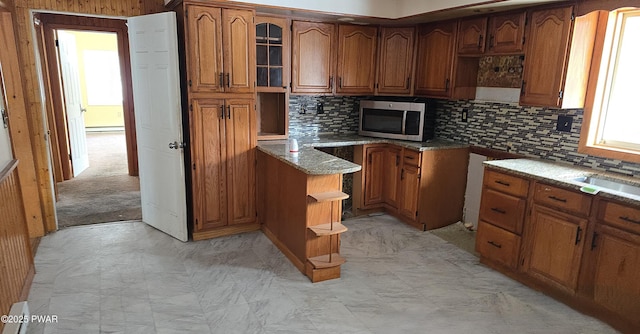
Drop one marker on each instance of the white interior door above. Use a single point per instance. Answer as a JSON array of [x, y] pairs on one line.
[[156, 94], [73, 101]]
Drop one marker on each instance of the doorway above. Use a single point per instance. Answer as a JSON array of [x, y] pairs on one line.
[[90, 111]]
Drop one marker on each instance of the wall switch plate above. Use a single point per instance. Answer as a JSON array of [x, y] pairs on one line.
[[564, 123], [320, 108], [465, 115]]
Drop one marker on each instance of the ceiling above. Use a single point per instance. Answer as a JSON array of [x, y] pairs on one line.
[[388, 12]]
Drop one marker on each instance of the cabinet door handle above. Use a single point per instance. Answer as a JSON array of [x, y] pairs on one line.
[[229, 111], [629, 220], [506, 184], [593, 240], [494, 244], [397, 160], [522, 88], [498, 210], [228, 80], [558, 199], [578, 235], [222, 111], [402, 174], [480, 39], [221, 79], [340, 82], [408, 82], [446, 84], [408, 157], [330, 82]]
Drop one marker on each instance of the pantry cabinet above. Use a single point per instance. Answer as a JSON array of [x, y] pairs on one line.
[[223, 162], [314, 57], [357, 47], [395, 63], [435, 59], [219, 44]]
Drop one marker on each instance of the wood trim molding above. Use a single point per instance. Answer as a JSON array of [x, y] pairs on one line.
[[20, 128]]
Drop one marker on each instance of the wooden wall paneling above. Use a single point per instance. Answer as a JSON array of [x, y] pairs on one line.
[[19, 118], [16, 260]]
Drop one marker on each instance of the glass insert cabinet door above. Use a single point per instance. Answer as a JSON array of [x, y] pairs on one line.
[[269, 55]]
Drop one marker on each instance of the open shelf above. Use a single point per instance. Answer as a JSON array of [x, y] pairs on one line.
[[322, 261], [272, 115], [328, 196], [325, 229]]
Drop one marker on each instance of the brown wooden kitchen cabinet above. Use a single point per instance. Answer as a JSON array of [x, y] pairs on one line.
[[558, 55], [395, 63], [314, 57], [615, 255], [373, 187], [391, 171], [357, 47], [472, 36], [223, 164], [505, 33], [273, 37], [219, 44], [502, 214], [435, 59], [424, 189]]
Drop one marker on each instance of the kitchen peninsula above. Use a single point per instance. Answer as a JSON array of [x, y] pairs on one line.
[[300, 194]]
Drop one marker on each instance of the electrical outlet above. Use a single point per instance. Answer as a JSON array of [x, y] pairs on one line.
[[320, 108], [564, 123], [465, 115]]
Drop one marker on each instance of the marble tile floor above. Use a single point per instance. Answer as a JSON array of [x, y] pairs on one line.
[[131, 278]]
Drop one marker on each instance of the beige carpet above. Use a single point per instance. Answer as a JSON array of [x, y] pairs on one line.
[[104, 192]]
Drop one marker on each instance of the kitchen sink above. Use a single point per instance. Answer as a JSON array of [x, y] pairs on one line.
[[604, 183]]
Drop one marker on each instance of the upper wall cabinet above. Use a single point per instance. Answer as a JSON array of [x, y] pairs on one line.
[[219, 42], [314, 57], [356, 59], [436, 50], [395, 63], [556, 66], [471, 35], [506, 33], [272, 54]]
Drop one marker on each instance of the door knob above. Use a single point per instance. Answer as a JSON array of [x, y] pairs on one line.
[[175, 145]]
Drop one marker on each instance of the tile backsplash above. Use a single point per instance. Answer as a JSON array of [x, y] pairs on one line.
[[340, 115], [530, 131]]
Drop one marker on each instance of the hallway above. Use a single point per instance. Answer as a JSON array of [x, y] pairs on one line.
[[104, 192]]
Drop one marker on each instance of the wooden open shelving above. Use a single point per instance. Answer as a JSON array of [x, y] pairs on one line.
[[327, 261], [328, 229], [328, 196]]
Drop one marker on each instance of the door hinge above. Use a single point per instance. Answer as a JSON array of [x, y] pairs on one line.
[[523, 39], [70, 158], [191, 107], [57, 43], [560, 94], [573, 16], [194, 166], [196, 222], [189, 83], [416, 213], [186, 13]]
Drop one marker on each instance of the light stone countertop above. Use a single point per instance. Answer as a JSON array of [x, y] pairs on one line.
[[563, 175], [315, 162]]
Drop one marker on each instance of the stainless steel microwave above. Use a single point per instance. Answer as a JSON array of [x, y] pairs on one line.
[[396, 120]]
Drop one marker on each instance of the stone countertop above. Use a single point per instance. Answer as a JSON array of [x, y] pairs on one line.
[[563, 175], [315, 162]]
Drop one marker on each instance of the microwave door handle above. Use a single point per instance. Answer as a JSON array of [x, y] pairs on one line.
[[404, 122]]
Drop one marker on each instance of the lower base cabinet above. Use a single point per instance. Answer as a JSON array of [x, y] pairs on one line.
[[582, 249], [425, 189]]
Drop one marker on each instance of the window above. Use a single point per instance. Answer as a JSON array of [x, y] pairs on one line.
[[613, 116]]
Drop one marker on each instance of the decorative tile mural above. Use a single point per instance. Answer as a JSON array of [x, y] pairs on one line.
[[500, 71]]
